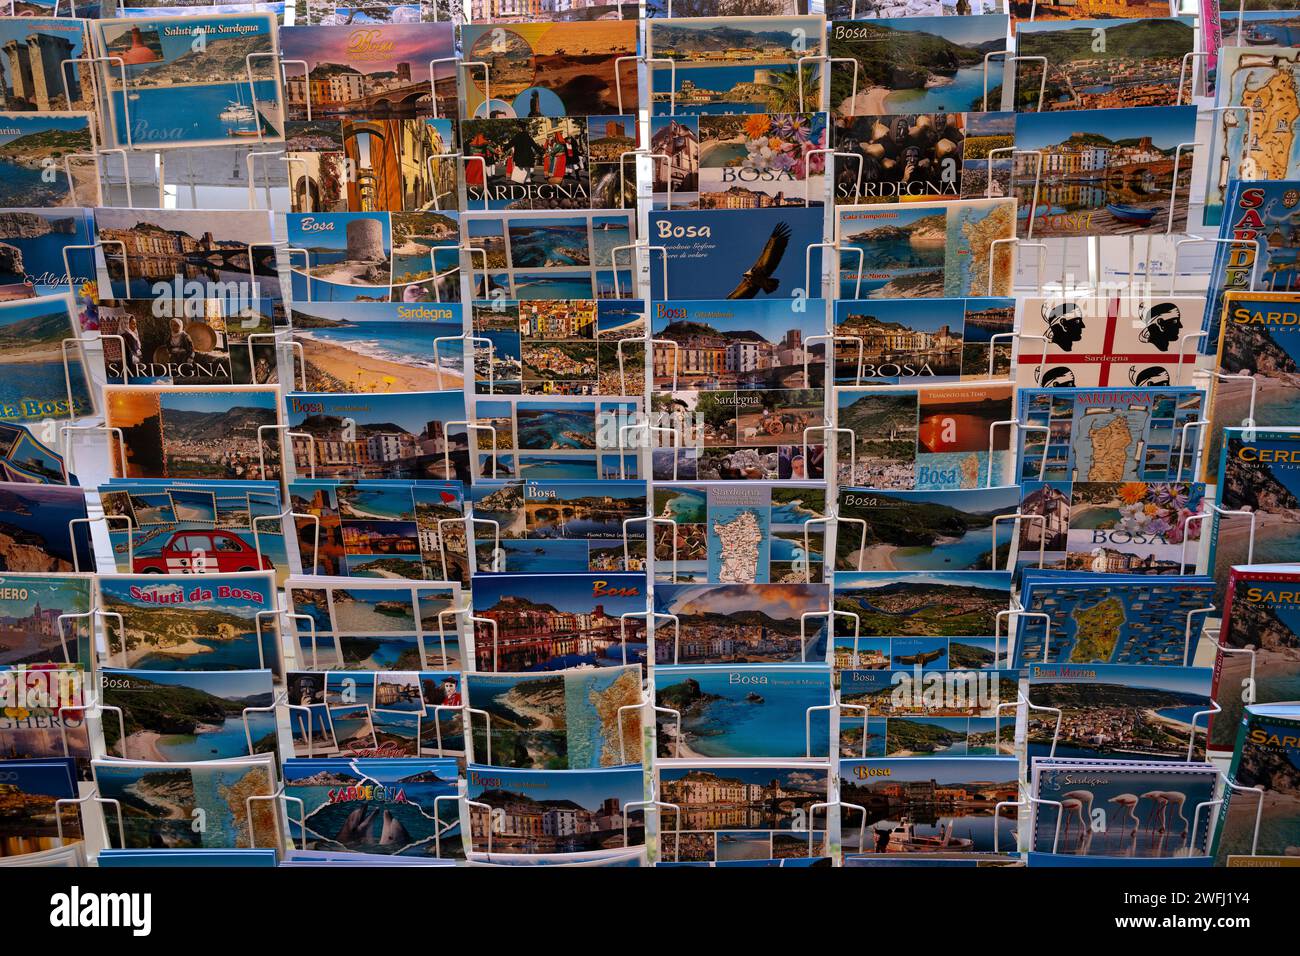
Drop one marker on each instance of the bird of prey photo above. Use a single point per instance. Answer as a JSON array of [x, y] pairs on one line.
[[759, 276]]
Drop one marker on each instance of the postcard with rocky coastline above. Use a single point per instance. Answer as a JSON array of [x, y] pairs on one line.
[[1266, 756], [376, 625], [161, 801], [927, 250], [741, 623], [36, 534], [1261, 611], [1120, 711], [376, 806], [1108, 434], [32, 243], [33, 150], [201, 59], [721, 712], [903, 653], [43, 378], [549, 69], [1114, 341], [32, 823], [565, 438]]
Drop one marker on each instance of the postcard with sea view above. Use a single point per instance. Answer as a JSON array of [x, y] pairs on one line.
[[904, 654], [29, 603], [566, 438], [32, 150], [36, 239], [741, 623], [25, 458], [43, 378], [201, 60], [746, 711], [30, 824], [926, 250], [729, 65], [567, 721], [35, 535], [553, 527], [1266, 757], [921, 603], [1120, 711], [383, 625], [933, 804], [740, 533], [1108, 434], [937, 438]]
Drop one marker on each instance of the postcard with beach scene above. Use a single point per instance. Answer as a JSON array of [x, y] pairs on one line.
[[720, 712], [551, 527], [1266, 756], [32, 243], [1105, 172], [35, 531], [565, 438], [937, 438], [1114, 527], [927, 250], [1145, 811], [741, 623], [1109, 618], [731, 65], [161, 801], [30, 74], [739, 533], [930, 805], [750, 811], [1119, 711], [956, 530], [49, 723], [897, 341], [44, 378], [549, 69], [183, 716], [517, 801], [376, 806], [1261, 611], [38, 623], [921, 603], [1115, 341], [381, 625], [1108, 434], [200, 60], [33, 150], [31, 823], [574, 720]]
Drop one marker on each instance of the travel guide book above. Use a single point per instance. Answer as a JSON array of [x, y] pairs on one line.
[[741, 623], [933, 604], [1266, 757], [35, 530], [739, 533], [561, 437], [44, 378], [33, 147]]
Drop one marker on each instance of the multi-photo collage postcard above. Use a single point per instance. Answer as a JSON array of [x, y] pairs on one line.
[[565, 438]]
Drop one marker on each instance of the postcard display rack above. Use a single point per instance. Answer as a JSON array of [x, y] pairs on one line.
[[485, 436]]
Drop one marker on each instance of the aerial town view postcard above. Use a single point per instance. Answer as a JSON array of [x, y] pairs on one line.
[[31, 629], [1266, 757], [200, 60], [936, 438], [1119, 711], [34, 242], [575, 720], [922, 603], [35, 533], [732, 65], [32, 149], [32, 818], [565, 437], [741, 623], [739, 533], [43, 378], [549, 69]]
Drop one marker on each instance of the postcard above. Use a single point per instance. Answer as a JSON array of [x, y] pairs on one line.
[[381, 529], [550, 254], [381, 625], [30, 77], [213, 622], [1022, 10], [36, 530], [396, 164], [574, 720], [926, 250], [1254, 23], [594, 802], [33, 822], [536, 622], [1119, 711], [200, 60], [33, 147], [34, 244], [550, 69], [872, 9], [729, 65], [741, 623], [740, 161], [1116, 527], [720, 712], [316, 166], [1261, 611], [553, 527], [740, 533], [896, 341], [182, 716], [931, 804], [918, 156], [44, 378], [923, 603], [501, 11], [39, 622], [1115, 341], [959, 530], [192, 805], [1265, 757], [43, 716], [1114, 810], [937, 438], [1109, 618], [567, 438], [24, 458], [1108, 434], [376, 806], [902, 654]]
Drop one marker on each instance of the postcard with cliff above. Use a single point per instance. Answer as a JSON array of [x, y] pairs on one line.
[[43, 378], [33, 147], [200, 61], [32, 244], [35, 534], [558, 437]]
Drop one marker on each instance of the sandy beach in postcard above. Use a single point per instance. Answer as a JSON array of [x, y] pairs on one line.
[[331, 367]]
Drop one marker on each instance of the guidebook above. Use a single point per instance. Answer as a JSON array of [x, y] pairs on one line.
[[1266, 757], [741, 623]]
